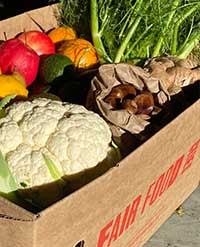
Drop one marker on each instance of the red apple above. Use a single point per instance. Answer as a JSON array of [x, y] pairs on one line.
[[14, 54], [38, 41]]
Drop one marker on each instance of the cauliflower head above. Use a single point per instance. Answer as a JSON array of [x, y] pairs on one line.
[[74, 138]]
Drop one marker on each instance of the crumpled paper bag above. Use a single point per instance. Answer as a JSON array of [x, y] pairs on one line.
[[174, 72], [111, 75], [161, 76]]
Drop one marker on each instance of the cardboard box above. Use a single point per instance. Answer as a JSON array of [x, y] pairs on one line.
[[126, 205]]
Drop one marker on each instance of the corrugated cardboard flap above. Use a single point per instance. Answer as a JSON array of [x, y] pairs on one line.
[[11, 211], [43, 18], [17, 228]]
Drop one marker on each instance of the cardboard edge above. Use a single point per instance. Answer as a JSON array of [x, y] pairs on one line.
[[12, 211], [6, 217]]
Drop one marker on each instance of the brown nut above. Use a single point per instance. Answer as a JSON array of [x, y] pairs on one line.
[[111, 101], [130, 105], [123, 90], [145, 102], [118, 93]]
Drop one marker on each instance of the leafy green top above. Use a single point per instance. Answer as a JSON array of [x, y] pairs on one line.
[[134, 30]]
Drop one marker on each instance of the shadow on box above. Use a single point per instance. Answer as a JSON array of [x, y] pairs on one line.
[[178, 103]]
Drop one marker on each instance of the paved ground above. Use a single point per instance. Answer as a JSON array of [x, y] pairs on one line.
[[180, 231]]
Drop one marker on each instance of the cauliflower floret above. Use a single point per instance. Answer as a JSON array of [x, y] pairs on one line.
[[84, 137], [16, 111], [38, 124], [28, 166], [10, 135], [71, 136]]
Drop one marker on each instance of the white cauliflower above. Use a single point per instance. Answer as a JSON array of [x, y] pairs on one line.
[[71, 136]]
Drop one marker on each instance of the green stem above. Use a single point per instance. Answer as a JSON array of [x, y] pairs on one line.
[[138, 40], [156, 51], [189, 34], [176, 28], [185, 50], [124, 44], [104, 23], [105, 18], [128, 16], [96, 38]]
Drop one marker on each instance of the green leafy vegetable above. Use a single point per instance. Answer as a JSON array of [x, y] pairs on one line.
[[72, 13], [55, 173], [135, 30], [4, 102], [9, 187], [7, 181]]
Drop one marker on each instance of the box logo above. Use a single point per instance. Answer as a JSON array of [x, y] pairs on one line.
[[117, 226]]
